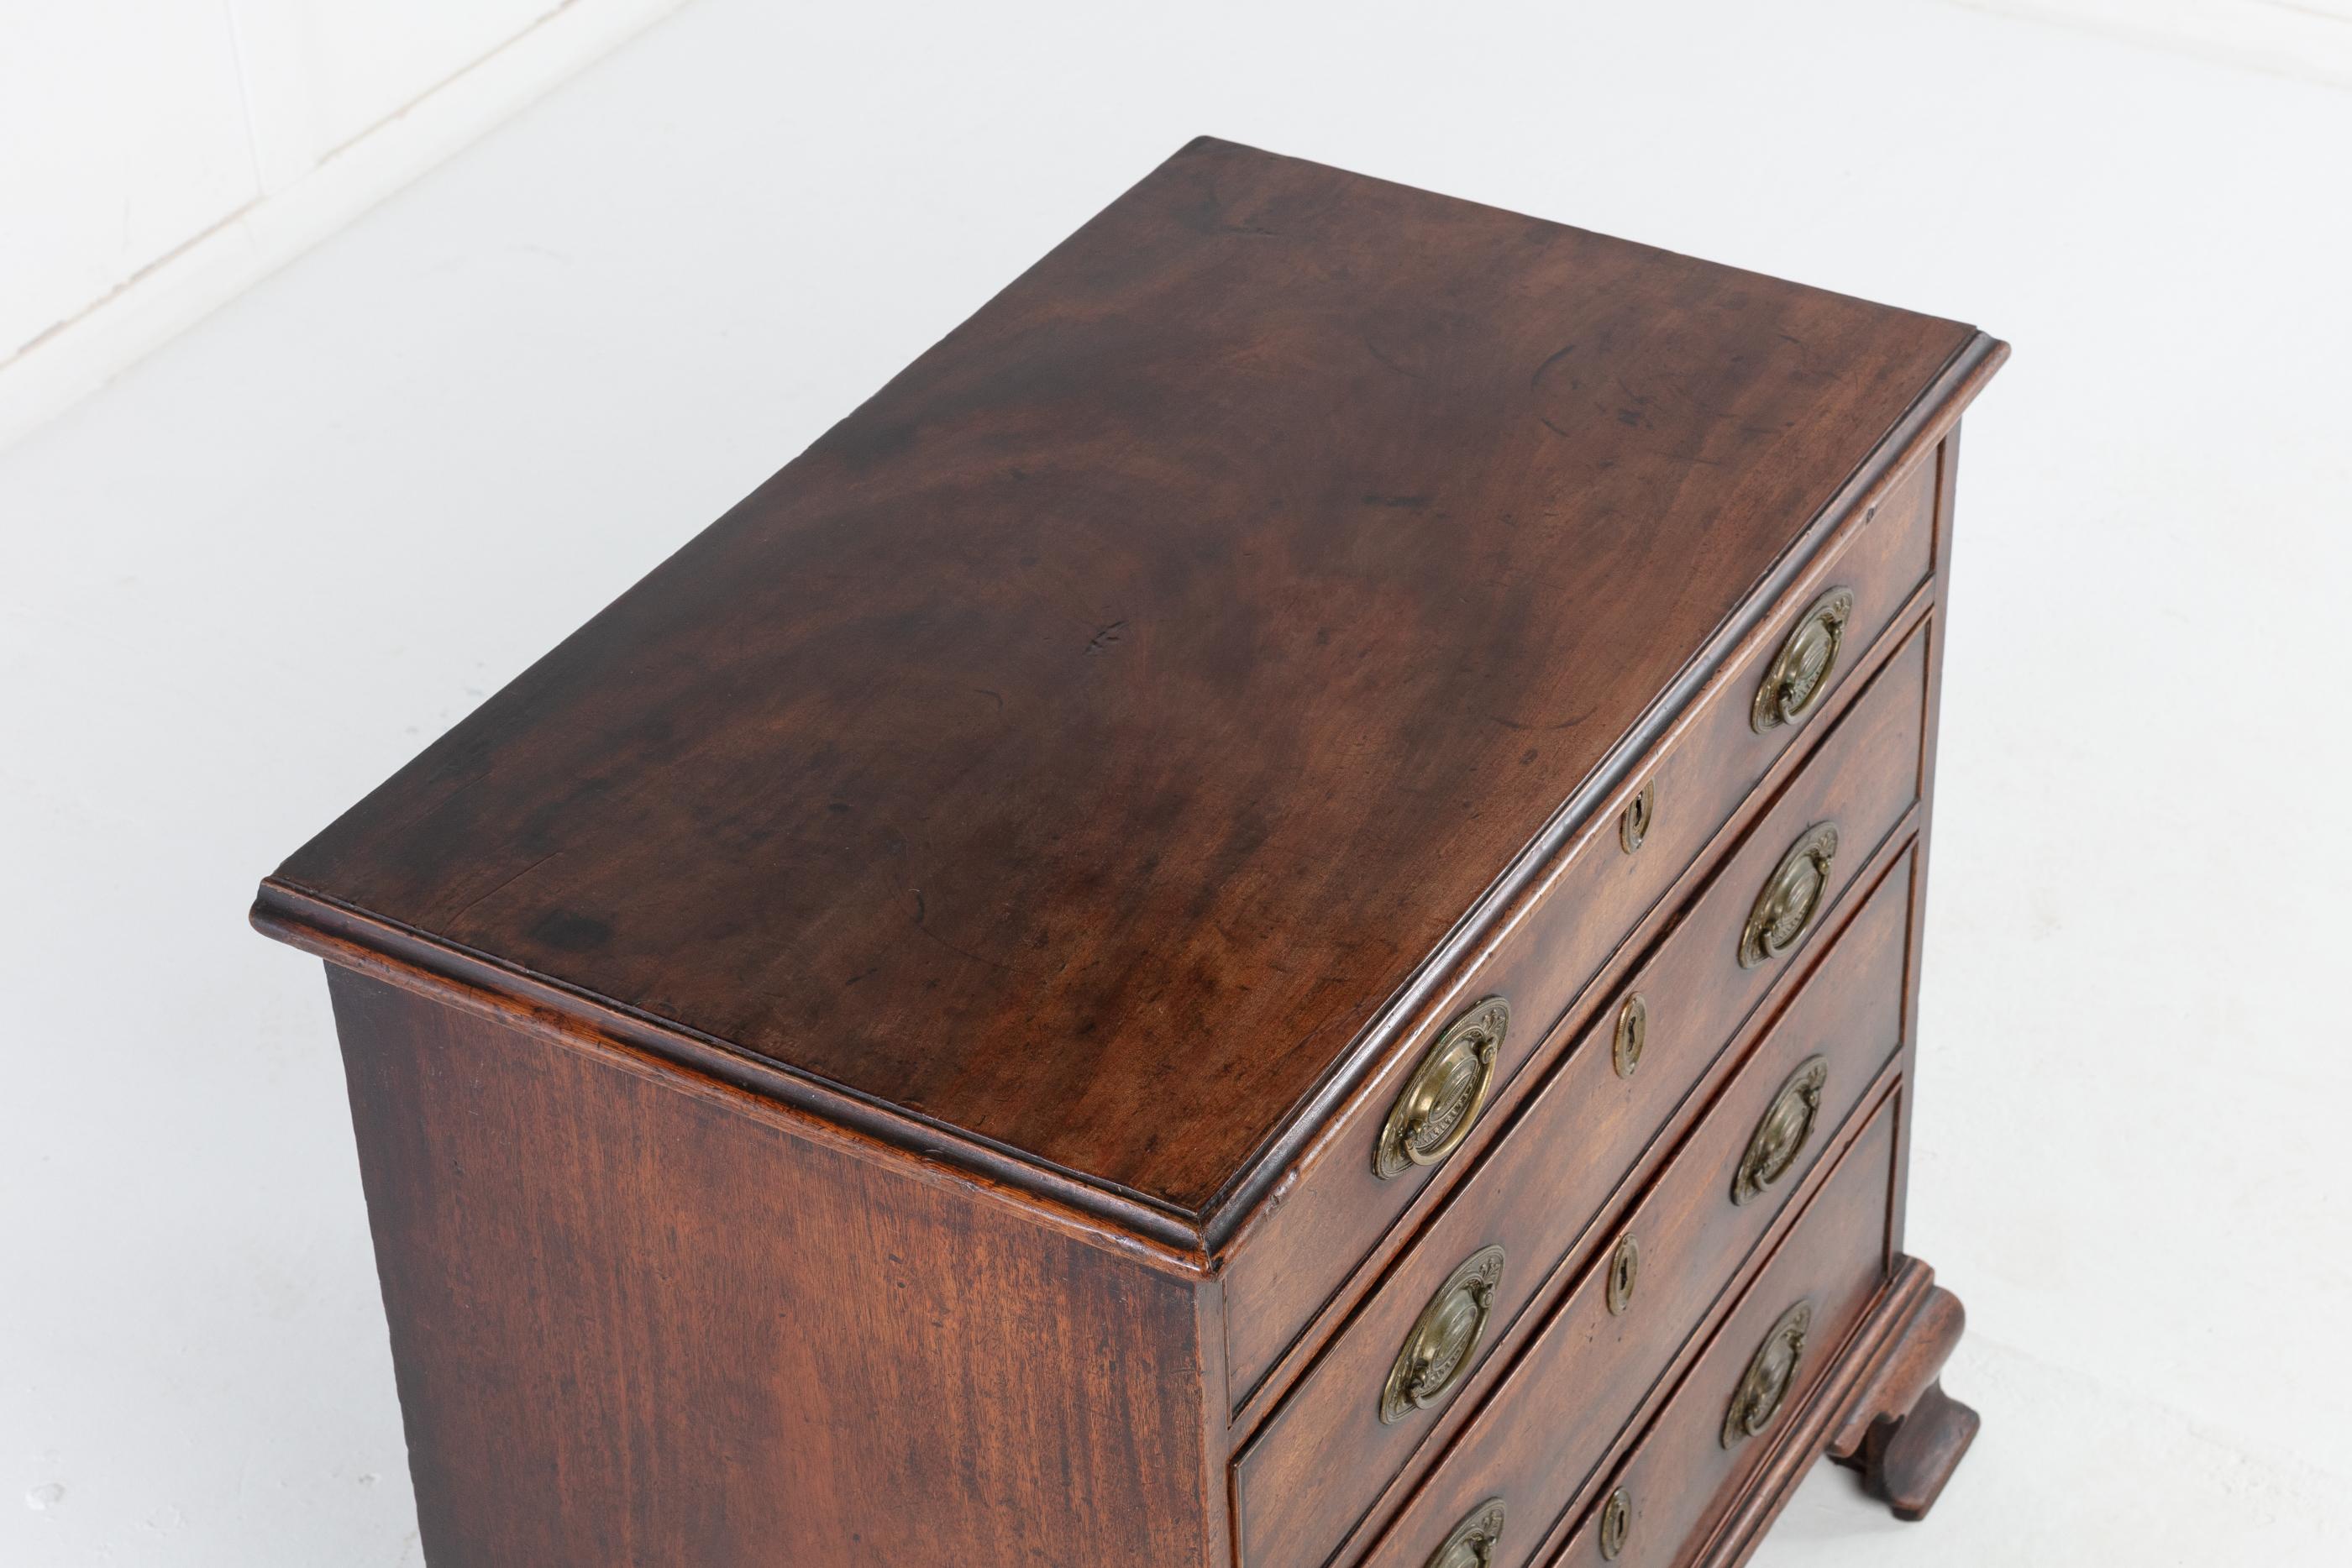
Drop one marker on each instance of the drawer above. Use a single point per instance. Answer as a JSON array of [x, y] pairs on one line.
[[1336, 1441], [1338, 1207], [1550, 1422], [1697, 1456]]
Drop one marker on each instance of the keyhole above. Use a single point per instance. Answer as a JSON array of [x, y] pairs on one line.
[[1624, 1270], [1634, 825], [1616, 1521], [1632, 1034]]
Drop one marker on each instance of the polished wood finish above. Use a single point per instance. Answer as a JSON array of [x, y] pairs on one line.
[[1581, 909], [1741, 1519], [1681, 1477], [1053, 753], [636, 1320], [874, 1047], [1585, 1372], [1319, 1452], [1905, 1434]]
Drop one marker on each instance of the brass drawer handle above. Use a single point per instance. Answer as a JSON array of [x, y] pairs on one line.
[[1800, 673], [1793, 895], [1437, 1352], [1780, 1135], [1433, 1111], [1772, 1373], [1472, 1542]]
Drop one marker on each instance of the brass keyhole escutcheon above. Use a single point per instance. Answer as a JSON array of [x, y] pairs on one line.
[[1437, 1352], [1780, 1136], [1624, 1272], [1474, 1541], [1616, 1520], [1633, 826], [1799, 674], [1793, 895], [1633, 1035], [1435, 1110], [1770, 1374]]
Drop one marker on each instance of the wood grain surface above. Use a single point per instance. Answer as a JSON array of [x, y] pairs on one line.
[[1323, 1456], [1863, 775], [1081, 743], [1682, 1480], [633, 1325]]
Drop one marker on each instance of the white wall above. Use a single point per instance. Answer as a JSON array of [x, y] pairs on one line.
[[2307, 38], [156, 156]]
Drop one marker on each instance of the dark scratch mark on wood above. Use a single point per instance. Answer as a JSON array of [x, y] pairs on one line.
[[921, 913]]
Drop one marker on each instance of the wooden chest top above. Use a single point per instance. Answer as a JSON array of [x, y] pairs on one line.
[[1077, 751]]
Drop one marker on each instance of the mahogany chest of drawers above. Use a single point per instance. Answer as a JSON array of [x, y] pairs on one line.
[[1267, 915]]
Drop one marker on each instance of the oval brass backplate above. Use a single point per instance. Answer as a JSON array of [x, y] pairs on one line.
[[1472, 1542], [1437, 1352], [1793, 895], [1632, 1036], [1436, 1108], [1800, 672], [1770, 1374], [1616, 1520], [1633, 826], [1625, 1273], [1780, 1135]]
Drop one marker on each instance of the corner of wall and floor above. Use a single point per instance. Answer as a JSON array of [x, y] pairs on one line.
[[163, 160]]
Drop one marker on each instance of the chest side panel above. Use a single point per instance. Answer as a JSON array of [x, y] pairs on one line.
[[634, 1324]]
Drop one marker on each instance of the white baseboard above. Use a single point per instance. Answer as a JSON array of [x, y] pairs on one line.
[[76, 358], [2307, 38]]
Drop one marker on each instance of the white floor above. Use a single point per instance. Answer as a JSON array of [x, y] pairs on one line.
[[244, 583]]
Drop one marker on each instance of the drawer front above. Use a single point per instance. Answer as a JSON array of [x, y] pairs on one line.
[[1755, 1375], [1340, 1437], [1338, 1205], [1650, 1286]]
